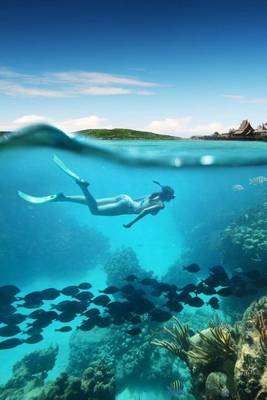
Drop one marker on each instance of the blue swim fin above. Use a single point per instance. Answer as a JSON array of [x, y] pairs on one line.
[[65, 169]]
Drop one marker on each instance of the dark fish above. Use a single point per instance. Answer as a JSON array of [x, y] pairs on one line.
[[50, 294], [141, 306], [84, 296], [10, 343], [32, 304], [205, 289], [195, 302], [66, 305], [174, 306], [33, 297], [136, 319], [127, 289], [148, 282], [9, 330], [134, 331], [130, 278], [217, 269], [192, 268], [70, 290], [7, 299], [92, 312], [120, 309], [89, 324], [110, 290], [33, 339], [66, 317], [36, 314], [185, 297], [101, 300], [219, 275], [159, 315], [164, 287], [226, 291], [33, 331], [85, 286], [7, 309], [136, 294], [44, 320], [9, 289], [188, 288], [214, 303], [64, 329], [103, 322], [173, 296], [13, 319]]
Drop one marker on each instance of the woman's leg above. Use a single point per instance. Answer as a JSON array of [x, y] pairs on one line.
[[71, 199], [60, 197], [90, 200]]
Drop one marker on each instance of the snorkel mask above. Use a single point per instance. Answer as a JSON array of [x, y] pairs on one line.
[[166, 190]]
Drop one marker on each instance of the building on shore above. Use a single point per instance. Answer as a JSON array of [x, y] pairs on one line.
[[261, 129], [245, 129], [244, 132]]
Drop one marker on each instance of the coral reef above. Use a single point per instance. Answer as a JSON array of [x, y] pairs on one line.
[[135, 361], [121, 263], [251, 367], [244, 241], [29, 375], [224, 362], [96, 383]]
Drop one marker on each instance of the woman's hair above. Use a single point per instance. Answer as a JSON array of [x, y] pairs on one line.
[[166, 192]]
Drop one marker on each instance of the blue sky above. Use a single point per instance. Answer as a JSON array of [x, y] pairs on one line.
[[178, 67]]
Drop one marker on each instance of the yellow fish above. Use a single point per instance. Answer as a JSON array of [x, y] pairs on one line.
[[176, 386]]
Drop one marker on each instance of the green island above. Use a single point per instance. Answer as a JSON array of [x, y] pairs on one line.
[[124, 134]]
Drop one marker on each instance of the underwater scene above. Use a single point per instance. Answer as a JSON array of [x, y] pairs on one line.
[[132, 270]]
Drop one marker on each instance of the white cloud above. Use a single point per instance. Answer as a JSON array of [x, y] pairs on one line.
[[169, 126], [70, 125], [30, 119], [184, 127], [105, 91], [245, 99], [100, 79], [78, 124], [70, 83], [209, 128]]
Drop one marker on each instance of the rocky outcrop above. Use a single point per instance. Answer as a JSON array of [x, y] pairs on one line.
[[224, 362]]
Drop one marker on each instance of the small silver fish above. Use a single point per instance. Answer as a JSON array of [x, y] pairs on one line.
[[238, 188], [257, 180]]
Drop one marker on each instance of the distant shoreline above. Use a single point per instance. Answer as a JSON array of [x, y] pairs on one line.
[[131, 134]]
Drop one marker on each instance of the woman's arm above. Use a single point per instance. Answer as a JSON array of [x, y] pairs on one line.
[[146, 211]]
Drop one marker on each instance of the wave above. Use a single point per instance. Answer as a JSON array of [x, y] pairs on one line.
[[168, 154]]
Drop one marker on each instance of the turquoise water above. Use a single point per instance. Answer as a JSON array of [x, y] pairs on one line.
[[60, 244]]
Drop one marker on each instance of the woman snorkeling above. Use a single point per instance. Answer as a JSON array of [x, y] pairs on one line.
[[119, 205]]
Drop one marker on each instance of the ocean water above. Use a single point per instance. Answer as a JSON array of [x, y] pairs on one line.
[[60, 244]]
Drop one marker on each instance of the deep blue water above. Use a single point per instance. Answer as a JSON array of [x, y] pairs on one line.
[[57, 244]]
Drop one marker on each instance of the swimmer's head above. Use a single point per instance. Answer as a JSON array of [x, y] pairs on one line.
[[167, 193]]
